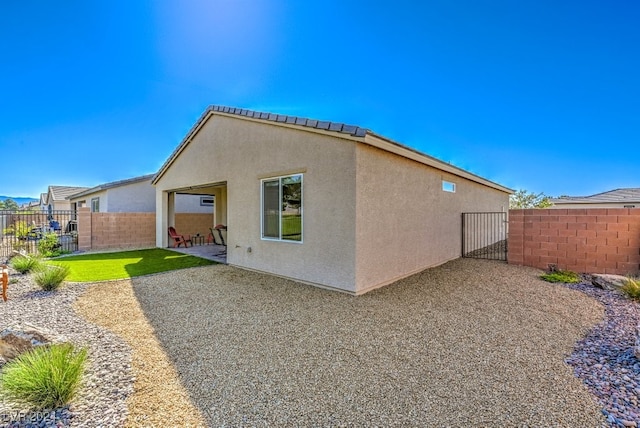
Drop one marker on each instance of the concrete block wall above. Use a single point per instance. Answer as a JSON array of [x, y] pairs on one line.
[[104, 231], [595, 240], [192, 223]]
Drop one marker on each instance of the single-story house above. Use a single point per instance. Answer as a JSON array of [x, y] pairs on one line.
[[325, 203], [134, 195], [56, 197], [618, 198]]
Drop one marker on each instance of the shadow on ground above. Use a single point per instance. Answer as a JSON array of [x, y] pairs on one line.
[[470, 343]]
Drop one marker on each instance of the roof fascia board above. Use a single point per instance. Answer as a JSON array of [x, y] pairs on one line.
[[185, 142], [370, 138], [111, 185]]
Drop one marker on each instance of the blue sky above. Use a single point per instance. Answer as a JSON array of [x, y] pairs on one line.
[[541, 95]]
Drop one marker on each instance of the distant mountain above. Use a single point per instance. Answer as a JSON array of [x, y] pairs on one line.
[[19, 200]]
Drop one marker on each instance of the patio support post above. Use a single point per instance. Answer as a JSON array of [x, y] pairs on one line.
[[165, 216], [221, 205]]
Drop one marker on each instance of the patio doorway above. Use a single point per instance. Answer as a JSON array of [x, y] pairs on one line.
[[196, 211]]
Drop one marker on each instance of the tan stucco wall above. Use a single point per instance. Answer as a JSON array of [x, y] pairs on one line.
[[240, 153], [406, 222], [193, 223]]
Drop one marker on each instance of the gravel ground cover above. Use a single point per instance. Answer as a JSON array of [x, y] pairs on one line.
[[470, 343], [108, 379], [604, 359], [159, 399]]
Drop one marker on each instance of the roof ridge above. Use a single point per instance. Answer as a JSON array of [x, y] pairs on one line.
[[353, 130]]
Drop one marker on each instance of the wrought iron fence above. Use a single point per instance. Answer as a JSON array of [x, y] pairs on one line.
[[484, 235], [25, 230]]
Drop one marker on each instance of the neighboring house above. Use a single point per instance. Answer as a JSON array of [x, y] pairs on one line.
[[134, 195], [618, 198], [31, 206], [56, 197], [43, 202], [325, 203]]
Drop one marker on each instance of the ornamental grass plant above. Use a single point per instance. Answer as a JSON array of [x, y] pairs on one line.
[[563, 276], [24, 264], [632, 288], [50, 277], [46, 377]]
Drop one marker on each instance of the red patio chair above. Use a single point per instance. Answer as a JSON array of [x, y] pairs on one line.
[[179, 239]]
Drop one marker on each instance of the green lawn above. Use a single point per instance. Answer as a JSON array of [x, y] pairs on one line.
[[126, 264], [292, 227]]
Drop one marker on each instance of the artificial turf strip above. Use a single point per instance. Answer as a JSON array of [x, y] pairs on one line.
[[126, 264]]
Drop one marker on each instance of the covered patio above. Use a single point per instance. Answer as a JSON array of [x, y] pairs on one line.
[[198, 228], [215, 252]]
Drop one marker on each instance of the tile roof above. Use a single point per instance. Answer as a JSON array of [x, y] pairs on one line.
[[631, 194], [337, 127], [110, 185], [60, 193], [353, 130]]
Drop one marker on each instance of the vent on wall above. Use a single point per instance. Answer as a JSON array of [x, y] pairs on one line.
[[206, 201]]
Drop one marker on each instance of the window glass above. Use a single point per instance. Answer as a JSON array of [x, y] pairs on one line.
[[270, 209], [95, 205], [291, 219], [448, 186], [282, 208]]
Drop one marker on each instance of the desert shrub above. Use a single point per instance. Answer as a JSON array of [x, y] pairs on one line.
[[24, 264], [46, 377], [49, 277], [49, 246], [564, 276], [21, 229], [631, 288]]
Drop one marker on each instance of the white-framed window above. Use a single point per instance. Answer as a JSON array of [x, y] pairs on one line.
[[448, 186], [206, 201], [281, 208], [95, 205]]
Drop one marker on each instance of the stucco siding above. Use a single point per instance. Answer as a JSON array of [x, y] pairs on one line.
[[191, 204], [240, 153], [405, 221], [135, 197]]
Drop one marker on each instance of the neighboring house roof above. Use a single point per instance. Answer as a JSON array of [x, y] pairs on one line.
[[60, 193], [628, 195], [105, 186], [351, 132], [43, 199]]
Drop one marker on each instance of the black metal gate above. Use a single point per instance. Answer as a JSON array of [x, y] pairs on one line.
[[25, 230], [484, 235]]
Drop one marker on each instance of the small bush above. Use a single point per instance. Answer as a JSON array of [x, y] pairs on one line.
[[49, 246], [632, 288], [21, 229], [564, 276], [49, 277], [24, 264], [47, 377]]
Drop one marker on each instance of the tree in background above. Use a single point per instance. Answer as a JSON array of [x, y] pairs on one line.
[[9, 204], [524, 199]]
